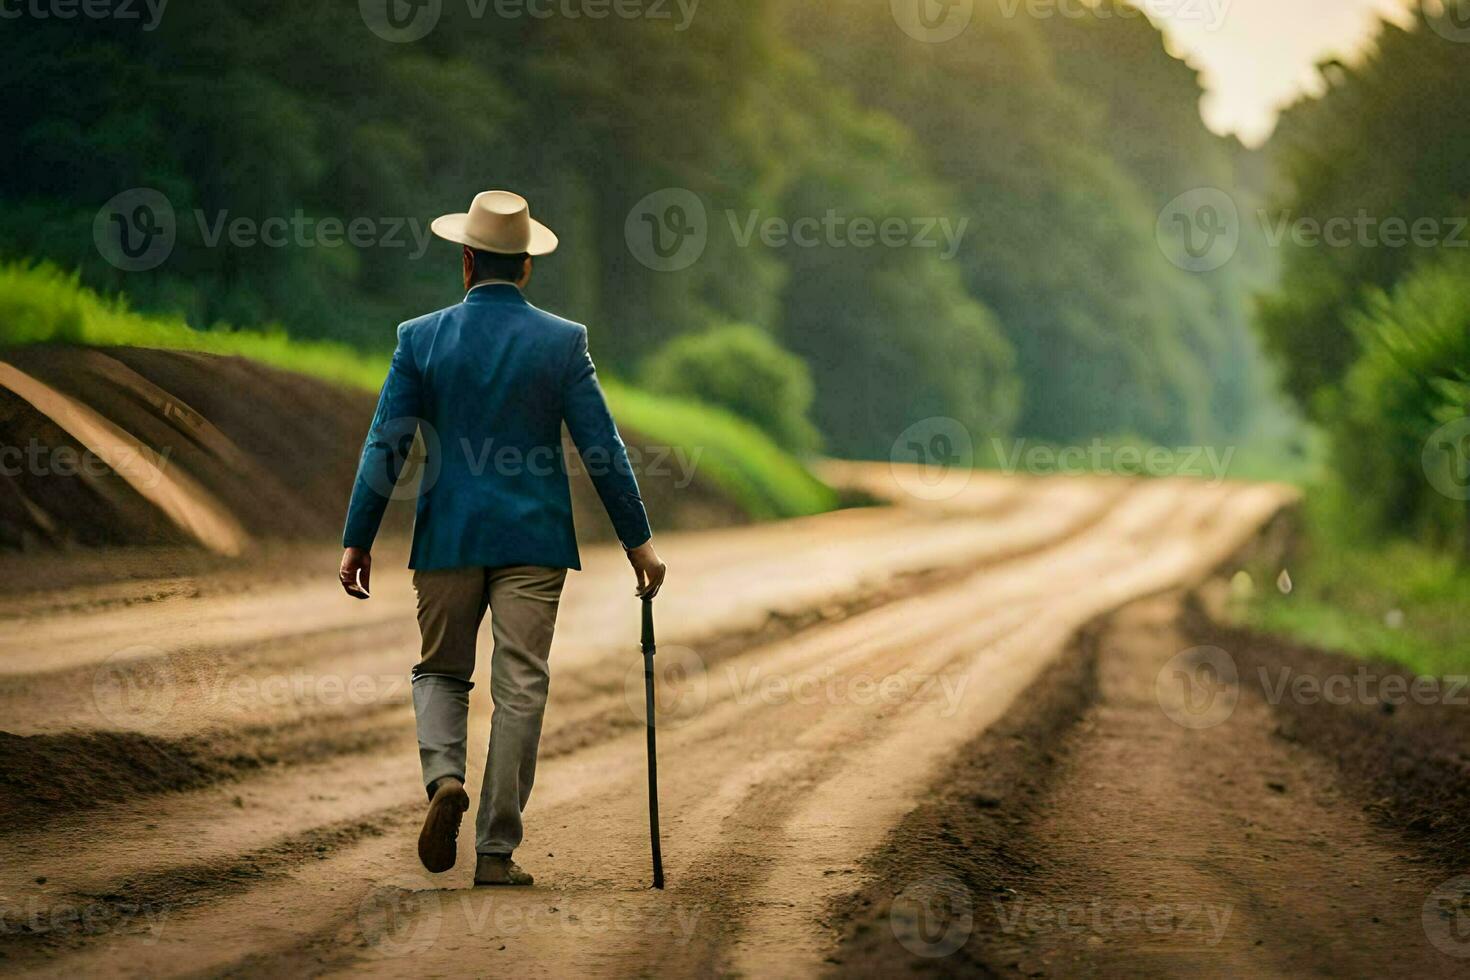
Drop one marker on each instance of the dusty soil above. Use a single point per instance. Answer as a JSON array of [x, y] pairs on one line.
[[807, 706], [1403, 749], [1095, 835]]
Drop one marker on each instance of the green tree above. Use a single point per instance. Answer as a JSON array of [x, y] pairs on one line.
[[1389, 142], [1401, 422]]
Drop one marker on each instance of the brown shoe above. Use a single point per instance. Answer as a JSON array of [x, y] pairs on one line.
[[493, 869], [441, 825]]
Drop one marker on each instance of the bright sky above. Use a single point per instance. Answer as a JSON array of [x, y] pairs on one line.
[[1257, 56]]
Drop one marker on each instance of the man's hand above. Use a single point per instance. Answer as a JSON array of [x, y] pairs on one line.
[[649, 569], [357, 566]]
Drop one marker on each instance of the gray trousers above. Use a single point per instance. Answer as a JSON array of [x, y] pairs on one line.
[[522, 601]]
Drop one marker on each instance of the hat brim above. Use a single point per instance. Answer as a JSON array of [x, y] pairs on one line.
[[451, 228]]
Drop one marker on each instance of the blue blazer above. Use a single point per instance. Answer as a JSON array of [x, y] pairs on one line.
[[488, 384]]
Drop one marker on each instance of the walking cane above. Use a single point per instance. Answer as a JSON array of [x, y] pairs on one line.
[[649, 648]]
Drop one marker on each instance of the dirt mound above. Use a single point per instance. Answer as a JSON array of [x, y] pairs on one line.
[[43, 777], [128, 446]]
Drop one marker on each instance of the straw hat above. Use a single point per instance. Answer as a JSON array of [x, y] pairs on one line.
[[500, 222]]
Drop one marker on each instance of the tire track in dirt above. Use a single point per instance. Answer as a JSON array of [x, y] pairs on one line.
[[337, 782], [751, 755], [343, 687], [1149, 848], [723, 898]]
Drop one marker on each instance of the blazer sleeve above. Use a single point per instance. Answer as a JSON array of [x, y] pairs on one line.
[[603, 454], [400, 407]]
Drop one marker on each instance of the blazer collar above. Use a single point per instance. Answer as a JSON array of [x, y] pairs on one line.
[[495, 292]]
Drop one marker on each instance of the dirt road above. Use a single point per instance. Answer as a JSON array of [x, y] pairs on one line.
[[228, 783]]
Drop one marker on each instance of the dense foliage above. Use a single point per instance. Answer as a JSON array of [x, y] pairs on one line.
[[1371, 319], [1400, 425], [740, 368], [1025, 162], [1385, 155]]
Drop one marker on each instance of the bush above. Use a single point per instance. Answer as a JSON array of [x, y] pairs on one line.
[[1412, 378], [740, 368]]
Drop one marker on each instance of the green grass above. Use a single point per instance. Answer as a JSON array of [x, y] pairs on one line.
[[43, 305], [1396, 601], [734, 454]]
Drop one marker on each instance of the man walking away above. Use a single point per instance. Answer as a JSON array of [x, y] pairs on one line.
[[487, 385]]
